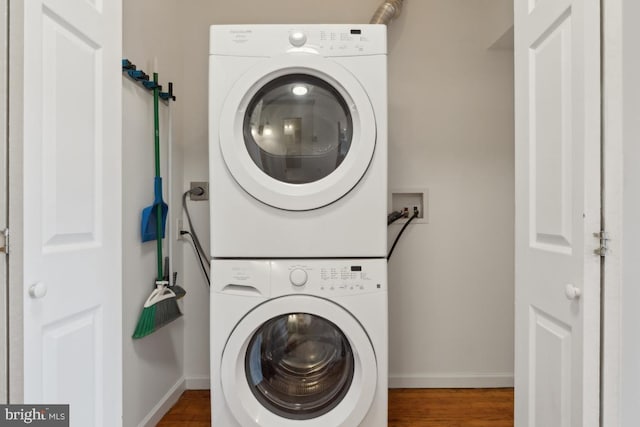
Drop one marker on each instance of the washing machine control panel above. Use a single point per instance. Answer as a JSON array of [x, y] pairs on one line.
[[328, 277]]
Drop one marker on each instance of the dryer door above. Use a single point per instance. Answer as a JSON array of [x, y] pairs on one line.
[[313, 364], [297, 132]]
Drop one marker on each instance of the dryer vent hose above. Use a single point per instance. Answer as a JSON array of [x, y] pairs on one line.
[[387, 11]]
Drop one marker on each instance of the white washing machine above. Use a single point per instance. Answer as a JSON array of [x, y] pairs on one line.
[[299, 343], [298, 141]]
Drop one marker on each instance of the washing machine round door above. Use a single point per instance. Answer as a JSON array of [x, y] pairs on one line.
[[297, 132], [315, 364]]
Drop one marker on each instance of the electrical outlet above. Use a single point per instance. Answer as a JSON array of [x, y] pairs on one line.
[[202, 184], [179, 226]]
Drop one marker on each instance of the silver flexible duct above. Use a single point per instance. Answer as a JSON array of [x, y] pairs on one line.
[[387, 11]]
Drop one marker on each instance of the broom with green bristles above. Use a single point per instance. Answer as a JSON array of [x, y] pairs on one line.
[[161, 307]]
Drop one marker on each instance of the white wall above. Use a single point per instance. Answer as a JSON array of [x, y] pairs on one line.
[[154, 365], [451, 130], [630, 289], [4, 98], [451, 121], [197, 303]]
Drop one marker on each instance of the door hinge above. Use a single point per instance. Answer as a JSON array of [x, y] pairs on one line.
[[603, 250], [5, 249]]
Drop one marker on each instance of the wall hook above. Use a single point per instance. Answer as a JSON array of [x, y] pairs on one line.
[[143, 78], [138, 75], [168, 96], [127, 65], [150, 84]]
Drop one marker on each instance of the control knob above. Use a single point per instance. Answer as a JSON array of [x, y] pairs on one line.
[[297, 38], [298, 277]]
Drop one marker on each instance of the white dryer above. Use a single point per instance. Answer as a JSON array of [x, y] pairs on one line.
[[299, 343], [298, 141]]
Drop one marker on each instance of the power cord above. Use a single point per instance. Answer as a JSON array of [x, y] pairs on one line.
[[197, 191], [404, 227], [394, 216], [202, 265], [202, 256]]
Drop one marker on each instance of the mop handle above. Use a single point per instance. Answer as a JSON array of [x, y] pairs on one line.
[[156, 129], [170, 190]]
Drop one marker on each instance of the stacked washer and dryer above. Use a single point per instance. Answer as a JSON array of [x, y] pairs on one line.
[[298, 180]]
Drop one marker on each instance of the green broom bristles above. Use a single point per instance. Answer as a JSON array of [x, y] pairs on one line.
[[156, 314], [146, 324]]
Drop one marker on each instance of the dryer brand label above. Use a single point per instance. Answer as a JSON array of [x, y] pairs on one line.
[[241, 36]]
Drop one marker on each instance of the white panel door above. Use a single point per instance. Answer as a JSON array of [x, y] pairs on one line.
[[4, 93], [72, 208], [557, 72]]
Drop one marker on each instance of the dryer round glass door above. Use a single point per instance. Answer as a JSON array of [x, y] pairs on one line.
[[299, 366], [298, 129], [297, 132], [314, 366]]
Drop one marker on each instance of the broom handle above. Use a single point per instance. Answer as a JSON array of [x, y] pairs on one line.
[[156, 128], [169, 233]]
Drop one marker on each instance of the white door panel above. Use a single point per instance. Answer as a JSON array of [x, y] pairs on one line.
[[4, 93], [72, 193], [557, 67]]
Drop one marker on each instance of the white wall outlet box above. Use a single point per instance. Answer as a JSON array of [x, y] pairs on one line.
[[406, 199], [201, 184]]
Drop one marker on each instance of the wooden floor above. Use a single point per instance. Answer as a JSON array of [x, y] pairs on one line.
[[407, 408]]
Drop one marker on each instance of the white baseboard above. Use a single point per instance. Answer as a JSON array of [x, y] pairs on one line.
[[163, 406], [198, 383], [449, 380], [452, 380]]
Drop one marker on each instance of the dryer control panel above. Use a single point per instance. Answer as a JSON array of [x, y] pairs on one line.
[[271, 40]]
